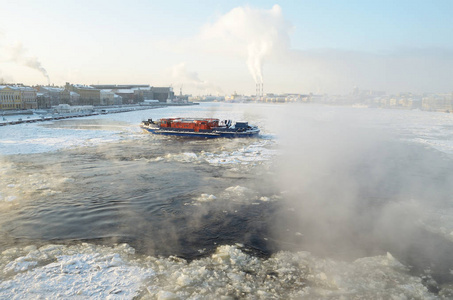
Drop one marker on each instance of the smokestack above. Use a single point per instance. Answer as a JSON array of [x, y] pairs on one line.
[[259, 90]]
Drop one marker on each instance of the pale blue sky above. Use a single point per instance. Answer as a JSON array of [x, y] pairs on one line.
[[334, 45], [373, 25]]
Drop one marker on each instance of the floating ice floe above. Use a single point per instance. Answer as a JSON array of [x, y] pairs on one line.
[[186, 157], [247, 155], [57, 272], [206, 198], [238, 194], [238, 190], [36, 138], [10, 198], [252, 154], [231, 272], [18, 185], [99, 272]]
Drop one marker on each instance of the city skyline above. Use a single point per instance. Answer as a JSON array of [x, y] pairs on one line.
[[226, 47]]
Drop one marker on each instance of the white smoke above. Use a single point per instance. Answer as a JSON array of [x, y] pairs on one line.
[[18, 54], [182, 75], [259, 34]]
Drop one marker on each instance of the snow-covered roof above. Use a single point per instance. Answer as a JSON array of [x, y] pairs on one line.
[[81, 86], [106, 92], [15, 88], [52, 89], [26, 88], [142, 89], [18, 88], [125, 91]]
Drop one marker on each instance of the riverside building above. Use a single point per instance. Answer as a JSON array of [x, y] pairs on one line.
[[17, 97]]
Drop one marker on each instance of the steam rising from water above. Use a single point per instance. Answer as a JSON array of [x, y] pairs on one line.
[[351, 190], [336, 187]]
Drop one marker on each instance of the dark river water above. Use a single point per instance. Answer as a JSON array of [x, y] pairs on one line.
[[142, 192], [327, 181]]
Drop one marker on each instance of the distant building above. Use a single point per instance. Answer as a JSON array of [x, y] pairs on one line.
[[137, 93], [107, 97], [69, 97], [127, 93], [28, 97], [88, 95], [411, 102], [143, 93], [119, 86], [17, 97], [54, 94], [118, 100], [162, 93], [43, 100], [438, 102], [9, 98]]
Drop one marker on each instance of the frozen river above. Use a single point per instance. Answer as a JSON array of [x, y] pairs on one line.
[[328, 202]]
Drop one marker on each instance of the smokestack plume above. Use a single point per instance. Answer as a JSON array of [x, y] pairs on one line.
[[18, 56], [181, 74], [33, 63], [263, 32]]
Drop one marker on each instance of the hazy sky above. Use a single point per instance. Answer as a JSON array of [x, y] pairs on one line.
[[225, 46]]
